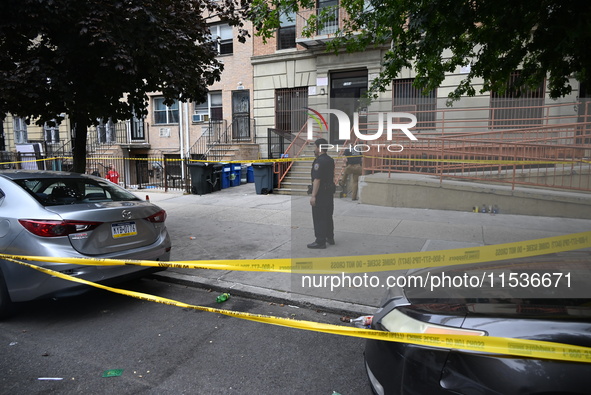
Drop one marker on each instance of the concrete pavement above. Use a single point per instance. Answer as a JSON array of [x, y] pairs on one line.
[[236, 223]]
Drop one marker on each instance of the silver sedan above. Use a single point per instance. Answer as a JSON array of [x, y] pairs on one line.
[[59, 214]]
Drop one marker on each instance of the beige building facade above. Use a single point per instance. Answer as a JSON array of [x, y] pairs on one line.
[[304, 74], [266, 93]]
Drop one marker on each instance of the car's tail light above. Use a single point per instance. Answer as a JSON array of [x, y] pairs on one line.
[[397, 321], [49, 228], [160, 216]]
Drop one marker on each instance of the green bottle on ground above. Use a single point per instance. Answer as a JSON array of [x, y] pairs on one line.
[[223, 297]]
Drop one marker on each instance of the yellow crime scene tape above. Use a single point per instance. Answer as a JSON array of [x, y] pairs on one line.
[[284, 160], [360, 263], [481, 344]]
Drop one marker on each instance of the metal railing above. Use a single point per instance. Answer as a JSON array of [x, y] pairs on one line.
[[145, 173], [215, 133], [337, 16], [215, 144], [551, 149], [277, 142], [556, 156], [293, 150]]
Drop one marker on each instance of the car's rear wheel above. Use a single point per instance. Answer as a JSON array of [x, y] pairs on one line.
[[5, 302]]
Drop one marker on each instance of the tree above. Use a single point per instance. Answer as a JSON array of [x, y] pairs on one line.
[[546, 39], [96, 59]]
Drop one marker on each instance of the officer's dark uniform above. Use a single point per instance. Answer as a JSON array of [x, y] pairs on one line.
[[323, 169]]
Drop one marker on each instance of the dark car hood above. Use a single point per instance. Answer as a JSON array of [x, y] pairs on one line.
[[565, 292]]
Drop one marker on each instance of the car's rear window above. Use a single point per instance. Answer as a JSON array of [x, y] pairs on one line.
[[60, 191]]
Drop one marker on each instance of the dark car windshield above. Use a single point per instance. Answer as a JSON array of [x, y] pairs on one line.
[[60, 191]]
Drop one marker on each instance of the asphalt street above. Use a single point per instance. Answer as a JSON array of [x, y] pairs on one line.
[[68, 346]]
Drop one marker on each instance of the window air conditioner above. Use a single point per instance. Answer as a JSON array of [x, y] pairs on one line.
[[164, 132], [198, 117]]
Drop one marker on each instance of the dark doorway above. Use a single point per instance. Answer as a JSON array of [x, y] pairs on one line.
[[347, 88], [241, 115], [141, 170]]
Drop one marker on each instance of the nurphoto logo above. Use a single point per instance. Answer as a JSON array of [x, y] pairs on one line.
[[344, 124]]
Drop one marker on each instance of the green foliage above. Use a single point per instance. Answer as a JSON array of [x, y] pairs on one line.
[[83, 57], [543, 38]]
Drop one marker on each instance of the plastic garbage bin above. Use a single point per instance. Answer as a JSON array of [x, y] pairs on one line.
[[235, 175], [243, 174], [200, 175], [216, 177], [226, 172], [263, 178], [250, 174]]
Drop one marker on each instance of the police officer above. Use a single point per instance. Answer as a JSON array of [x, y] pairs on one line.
[[353, 168], [323, 189]]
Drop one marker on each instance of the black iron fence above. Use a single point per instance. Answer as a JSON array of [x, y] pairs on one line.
[[277, 142], [165, 172]]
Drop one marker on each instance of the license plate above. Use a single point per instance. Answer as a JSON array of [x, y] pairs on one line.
[[123, 229]]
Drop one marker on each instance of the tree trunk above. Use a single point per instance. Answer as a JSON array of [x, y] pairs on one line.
[[79, 144]]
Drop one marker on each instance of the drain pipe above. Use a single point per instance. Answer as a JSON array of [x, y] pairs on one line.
[[181, 137], [188, 131]]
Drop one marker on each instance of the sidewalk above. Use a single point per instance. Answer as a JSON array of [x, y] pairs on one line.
[[236, 223]]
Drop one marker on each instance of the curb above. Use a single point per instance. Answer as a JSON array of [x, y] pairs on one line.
[[266, 294]]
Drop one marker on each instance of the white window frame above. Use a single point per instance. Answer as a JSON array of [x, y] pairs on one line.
[[106, 133], [287, 24], [222, 34], [169, 111], [204, 109], [20, 130], [51, 133]]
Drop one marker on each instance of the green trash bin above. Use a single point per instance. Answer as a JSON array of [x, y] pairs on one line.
[[201, 174], [263, 178]]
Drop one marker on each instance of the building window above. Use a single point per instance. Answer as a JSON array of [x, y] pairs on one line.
[[407, 98], [517, 108], [20, 130], [52, 134], [2, 138], [331, 25], [163, 113], [106, 132], [286, 34], [201, 112], [290, 112], [216, 109], [209, 110], [223, 38], [137, 131]]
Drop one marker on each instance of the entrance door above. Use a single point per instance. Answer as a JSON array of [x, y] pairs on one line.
[[141, 170], [346, 90], [241, 115]]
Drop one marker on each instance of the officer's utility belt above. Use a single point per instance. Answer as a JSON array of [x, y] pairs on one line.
[[330, 188]]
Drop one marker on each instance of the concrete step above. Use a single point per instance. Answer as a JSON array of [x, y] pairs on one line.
[[288, 191], [298, 192], [295, 185]]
